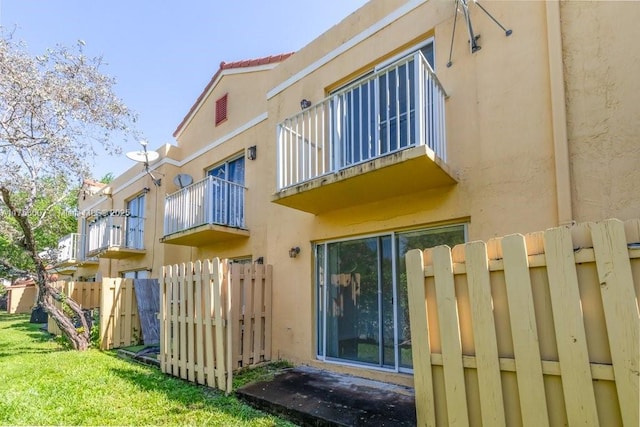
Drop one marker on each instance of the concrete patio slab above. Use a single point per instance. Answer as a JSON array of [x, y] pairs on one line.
[[315, 397]]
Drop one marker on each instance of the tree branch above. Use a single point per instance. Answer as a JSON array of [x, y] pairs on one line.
[[13, 270]]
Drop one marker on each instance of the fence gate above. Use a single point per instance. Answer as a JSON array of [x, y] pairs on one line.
[[215, 317], [533, 330], [119, 319]]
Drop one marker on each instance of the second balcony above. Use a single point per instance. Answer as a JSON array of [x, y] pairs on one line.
[[204, 212], [115, 237], [380, 137]]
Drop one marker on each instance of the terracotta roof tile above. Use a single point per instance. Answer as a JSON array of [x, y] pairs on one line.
[[227, 66]]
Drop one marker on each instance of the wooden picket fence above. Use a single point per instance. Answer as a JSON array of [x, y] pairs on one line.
[[119, 320], [532, 330], [87, 294], [214, 318]]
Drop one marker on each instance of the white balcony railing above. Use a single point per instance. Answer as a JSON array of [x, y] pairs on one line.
[[209, 201], [110, 231], [72, 249], [398, 107], [69, 248]]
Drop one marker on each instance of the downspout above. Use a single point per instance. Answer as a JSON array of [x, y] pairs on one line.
[[559, 114]]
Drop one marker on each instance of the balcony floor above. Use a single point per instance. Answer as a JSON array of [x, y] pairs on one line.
[[117, 252], [70, 265], [66, 267], [412, 170], [204, 234]]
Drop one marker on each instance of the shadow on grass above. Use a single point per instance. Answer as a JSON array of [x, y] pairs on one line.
[[192, 396], [33, 331]]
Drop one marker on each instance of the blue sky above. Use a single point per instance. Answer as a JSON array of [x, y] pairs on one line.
[[163, 53]]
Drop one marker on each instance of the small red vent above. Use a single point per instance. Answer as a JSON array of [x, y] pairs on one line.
[[221, 109]]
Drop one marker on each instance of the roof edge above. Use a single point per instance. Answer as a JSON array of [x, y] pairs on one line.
[[246, 63]]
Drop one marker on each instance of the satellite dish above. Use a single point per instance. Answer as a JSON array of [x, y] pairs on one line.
[[143, 156], [182, 180]]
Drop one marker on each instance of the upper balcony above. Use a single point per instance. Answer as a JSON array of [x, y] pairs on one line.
[[206, 211], [382, 136], [115, 237], [71, 253]]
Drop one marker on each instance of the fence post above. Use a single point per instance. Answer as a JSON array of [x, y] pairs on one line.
[[422, 376]]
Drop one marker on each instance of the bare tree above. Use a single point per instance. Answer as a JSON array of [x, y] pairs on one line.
[[56, 111]]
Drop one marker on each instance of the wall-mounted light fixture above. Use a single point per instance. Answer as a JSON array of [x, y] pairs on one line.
[[294, 251], [145, 190], [305, 103], [252, 152]]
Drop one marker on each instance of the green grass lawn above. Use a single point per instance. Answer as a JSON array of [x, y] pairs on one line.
[[43, 384]]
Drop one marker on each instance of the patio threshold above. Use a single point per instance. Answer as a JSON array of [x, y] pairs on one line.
[[311, 396]]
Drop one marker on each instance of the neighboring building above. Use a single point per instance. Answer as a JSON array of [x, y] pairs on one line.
[[364, 144], [143, 219], [21, 296]]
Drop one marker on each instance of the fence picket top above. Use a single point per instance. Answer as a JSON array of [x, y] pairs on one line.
[[427, 256], [457, 254], [494, 248], [581, 236], [534, 242], [632, 230]]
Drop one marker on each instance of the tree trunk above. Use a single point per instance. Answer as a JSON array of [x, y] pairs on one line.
[[79, 338]]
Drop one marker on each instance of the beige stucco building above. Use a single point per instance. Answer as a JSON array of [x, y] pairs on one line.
[[329, 164]]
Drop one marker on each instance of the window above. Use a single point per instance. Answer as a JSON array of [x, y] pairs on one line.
[[228, 193], [375, 114], [136, 274], [362, 300], [221, 109], [135, 223]]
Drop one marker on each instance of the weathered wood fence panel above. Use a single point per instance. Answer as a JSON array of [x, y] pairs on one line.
[[533, 330], [214, 318], [119, 320], [147, 293], [87, 294]]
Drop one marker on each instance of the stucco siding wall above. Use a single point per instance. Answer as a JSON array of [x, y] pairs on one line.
[[602, 65], [499, 140]]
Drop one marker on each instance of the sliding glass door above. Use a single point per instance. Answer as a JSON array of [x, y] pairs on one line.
[[362, 300]]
